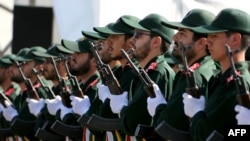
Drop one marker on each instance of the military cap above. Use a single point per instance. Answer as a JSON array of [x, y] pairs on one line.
[[94, 35], [20, 53], [52, 51], [81, 45], [194, 18], [5, 60], [152, 23], [228, 19], [29, 56], [119, 27]]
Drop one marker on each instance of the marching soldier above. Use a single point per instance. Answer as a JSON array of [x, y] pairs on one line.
[[229, 30], [10, 89], [119, 38], [150, 41], [198, 60], [23, 75]]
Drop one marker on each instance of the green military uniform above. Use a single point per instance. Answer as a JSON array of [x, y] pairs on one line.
[[157, 69], [173, 111], [222, 93], [88, 88], [136, 112], [11, 93], [123, 75], [20, 101], [219, 113]]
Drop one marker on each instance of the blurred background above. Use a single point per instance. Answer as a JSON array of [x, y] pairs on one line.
[[26, 23]]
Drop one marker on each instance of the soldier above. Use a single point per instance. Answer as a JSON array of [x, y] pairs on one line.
[[82, 65], [230, 27], [21, 114], [38, 107], [119, 38], [198, 60], [150, 41], [10, 89]]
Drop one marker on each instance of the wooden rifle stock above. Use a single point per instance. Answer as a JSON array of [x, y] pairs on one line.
[[143, 76], [192, 87], [243, 96], [64, 91], [47, 89], [31, 91], [107, 75]]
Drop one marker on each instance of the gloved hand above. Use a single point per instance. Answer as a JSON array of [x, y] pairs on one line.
[[9, 112], [35, 106], [152, 103], [80, 105], [54, 105], [243, 115], [103, 92], [193, 105], [118, 101], [64, 111]]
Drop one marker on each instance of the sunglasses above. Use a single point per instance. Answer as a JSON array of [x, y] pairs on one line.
[[138, 34]]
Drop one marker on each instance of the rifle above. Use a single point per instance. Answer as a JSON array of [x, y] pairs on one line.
[[107, 76], [143, 130], [47, 89], [192, 87], [143, 76], [167, 131], [76, 90], [31, 91], [64, 92], [243, 95]]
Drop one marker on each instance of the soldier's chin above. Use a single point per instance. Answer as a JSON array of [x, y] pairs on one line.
[[16, 79]]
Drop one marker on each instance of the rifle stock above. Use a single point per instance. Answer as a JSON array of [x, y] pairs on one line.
[[107, 76], [143, 76], [31, 91], [192, 87], [47, 89], [243, 96], [64, 90]]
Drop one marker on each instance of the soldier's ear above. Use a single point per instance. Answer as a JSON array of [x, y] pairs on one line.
[[156, 42], [201, 43]]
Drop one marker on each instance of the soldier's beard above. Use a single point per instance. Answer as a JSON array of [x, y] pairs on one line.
[[17, 79], [83, 69], [142, 53]]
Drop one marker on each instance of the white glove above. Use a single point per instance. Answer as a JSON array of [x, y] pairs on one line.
[[80, 105], [103, 92], [9, 112], [152, 103], [117, 102], [243, 115], [54, 105], [64, 111], [35, 106], [193, 105]]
